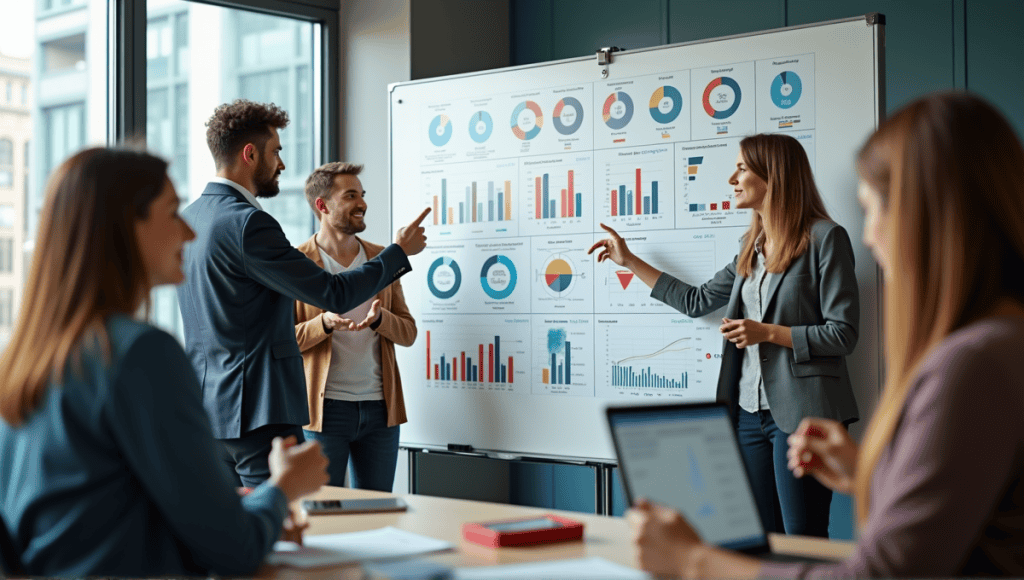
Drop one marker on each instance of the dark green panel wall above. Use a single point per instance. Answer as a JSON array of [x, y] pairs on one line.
[[995, 55], [919, 40], [690, 20]]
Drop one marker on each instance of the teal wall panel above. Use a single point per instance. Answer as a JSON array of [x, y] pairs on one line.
[[580, 27], [919, 40], [696, 20], [531, 31], [995, 53]]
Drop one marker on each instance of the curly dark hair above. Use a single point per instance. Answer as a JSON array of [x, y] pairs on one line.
[[235, 124]]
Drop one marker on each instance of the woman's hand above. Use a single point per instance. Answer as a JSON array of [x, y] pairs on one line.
[[612, 248], [745, 332], [663, 538], [823, 448]]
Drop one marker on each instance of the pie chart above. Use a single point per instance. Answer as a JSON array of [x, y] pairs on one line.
[[559, 276], [666, 104], [618, 110], [527, 119], [480, 126], [568, 116], [440, 130], [722, 98], [786, 89]]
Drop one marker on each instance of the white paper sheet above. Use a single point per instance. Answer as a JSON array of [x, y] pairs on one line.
[[575, 569], [333, 549]]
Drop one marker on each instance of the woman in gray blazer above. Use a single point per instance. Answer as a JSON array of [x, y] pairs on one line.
[[791, 318]]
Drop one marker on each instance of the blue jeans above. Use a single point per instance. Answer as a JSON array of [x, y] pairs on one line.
[[358, 431], [787, 504]]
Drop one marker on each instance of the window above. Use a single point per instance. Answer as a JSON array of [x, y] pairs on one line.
[[6, 162], [7, 217], [64, 128], [6, 308], [258, 57], [6, 255], [64, 54]]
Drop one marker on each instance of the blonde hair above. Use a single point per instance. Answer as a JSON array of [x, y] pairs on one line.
[[792, 203], [949, 170]]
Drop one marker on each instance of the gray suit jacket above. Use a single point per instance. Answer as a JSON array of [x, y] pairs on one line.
[[817, 297], [242, 278]]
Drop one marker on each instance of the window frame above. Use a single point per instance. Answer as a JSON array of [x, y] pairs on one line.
[[127, 54]]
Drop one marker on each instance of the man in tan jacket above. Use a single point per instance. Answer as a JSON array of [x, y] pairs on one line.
[[352, 380]]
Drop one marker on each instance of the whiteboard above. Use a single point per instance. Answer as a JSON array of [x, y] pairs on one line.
[[523, 338]]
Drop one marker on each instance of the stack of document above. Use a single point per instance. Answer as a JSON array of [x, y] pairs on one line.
[[575, 569], [334, 549]]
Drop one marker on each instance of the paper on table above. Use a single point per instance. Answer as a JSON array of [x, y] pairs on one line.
[[332, 549], [575, 569]]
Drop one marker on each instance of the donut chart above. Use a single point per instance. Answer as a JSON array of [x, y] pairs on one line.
[[730, 106], [617, 110], [480, 126], [786, 89], [527, 119], [440, 130], [568, 116], [498, 277], [666, 104], [444, 277]]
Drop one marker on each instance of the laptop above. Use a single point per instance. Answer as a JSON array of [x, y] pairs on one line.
[[686, 456]]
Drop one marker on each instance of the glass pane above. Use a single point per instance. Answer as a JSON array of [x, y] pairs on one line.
[[258, 57], [53, 68]]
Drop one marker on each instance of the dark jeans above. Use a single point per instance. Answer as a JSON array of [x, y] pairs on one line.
[[358, 431], [787, 504], [247, 456]]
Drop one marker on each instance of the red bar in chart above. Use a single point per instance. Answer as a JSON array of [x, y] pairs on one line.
[[457, 367]]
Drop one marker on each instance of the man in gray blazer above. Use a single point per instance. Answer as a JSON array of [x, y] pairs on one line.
[[242, 278]]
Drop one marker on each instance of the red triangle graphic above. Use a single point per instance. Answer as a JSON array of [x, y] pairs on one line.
[[625, 277]]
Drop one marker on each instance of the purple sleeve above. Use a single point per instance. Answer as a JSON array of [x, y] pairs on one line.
[[935, 488]]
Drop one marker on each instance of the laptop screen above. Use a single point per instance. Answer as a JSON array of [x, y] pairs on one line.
[[686, 457]]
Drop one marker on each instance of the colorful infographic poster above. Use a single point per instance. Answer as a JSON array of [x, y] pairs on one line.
[[722, 101], [563, 354]]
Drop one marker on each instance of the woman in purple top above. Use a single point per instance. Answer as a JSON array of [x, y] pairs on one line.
[[939, 477]]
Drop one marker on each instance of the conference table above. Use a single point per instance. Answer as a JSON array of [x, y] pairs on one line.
[[442, 518]]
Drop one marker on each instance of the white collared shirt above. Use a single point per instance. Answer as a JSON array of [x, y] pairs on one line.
[[245, 192]]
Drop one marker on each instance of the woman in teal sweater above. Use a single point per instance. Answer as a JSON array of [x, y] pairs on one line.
[[108, 465]]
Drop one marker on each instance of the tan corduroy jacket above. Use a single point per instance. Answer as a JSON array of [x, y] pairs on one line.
[[396, 326]]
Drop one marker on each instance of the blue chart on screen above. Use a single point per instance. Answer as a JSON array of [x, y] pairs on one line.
[[440, 130], [786, 88], [447, 273], [568, 116], [498, 267], [480, 126], [666, 104]]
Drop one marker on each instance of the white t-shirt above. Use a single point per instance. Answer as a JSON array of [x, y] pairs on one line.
[[354, 374]]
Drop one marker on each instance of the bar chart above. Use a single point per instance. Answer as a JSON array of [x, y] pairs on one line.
[[706, 196], [496, 205], [557, 192], [477, 359], [638, 187], [472, 199], [564, 356], [657, 356]]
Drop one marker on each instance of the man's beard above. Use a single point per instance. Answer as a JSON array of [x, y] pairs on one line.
[[351, 228], [266, 186]]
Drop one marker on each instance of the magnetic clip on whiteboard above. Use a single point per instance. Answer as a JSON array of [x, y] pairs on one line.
[[604, 58]]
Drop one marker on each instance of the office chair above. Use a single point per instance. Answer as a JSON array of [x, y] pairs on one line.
[[10, 560]]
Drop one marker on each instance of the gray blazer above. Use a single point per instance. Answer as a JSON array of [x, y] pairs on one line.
[[817, 297]]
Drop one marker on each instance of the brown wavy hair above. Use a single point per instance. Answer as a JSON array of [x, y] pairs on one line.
[[235, 124], [320, 182], [86, 266], [950, 171], [792, 203]]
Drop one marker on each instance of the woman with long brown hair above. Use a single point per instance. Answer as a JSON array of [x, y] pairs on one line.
[[108, 464], [791, 318], [939, 477]]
